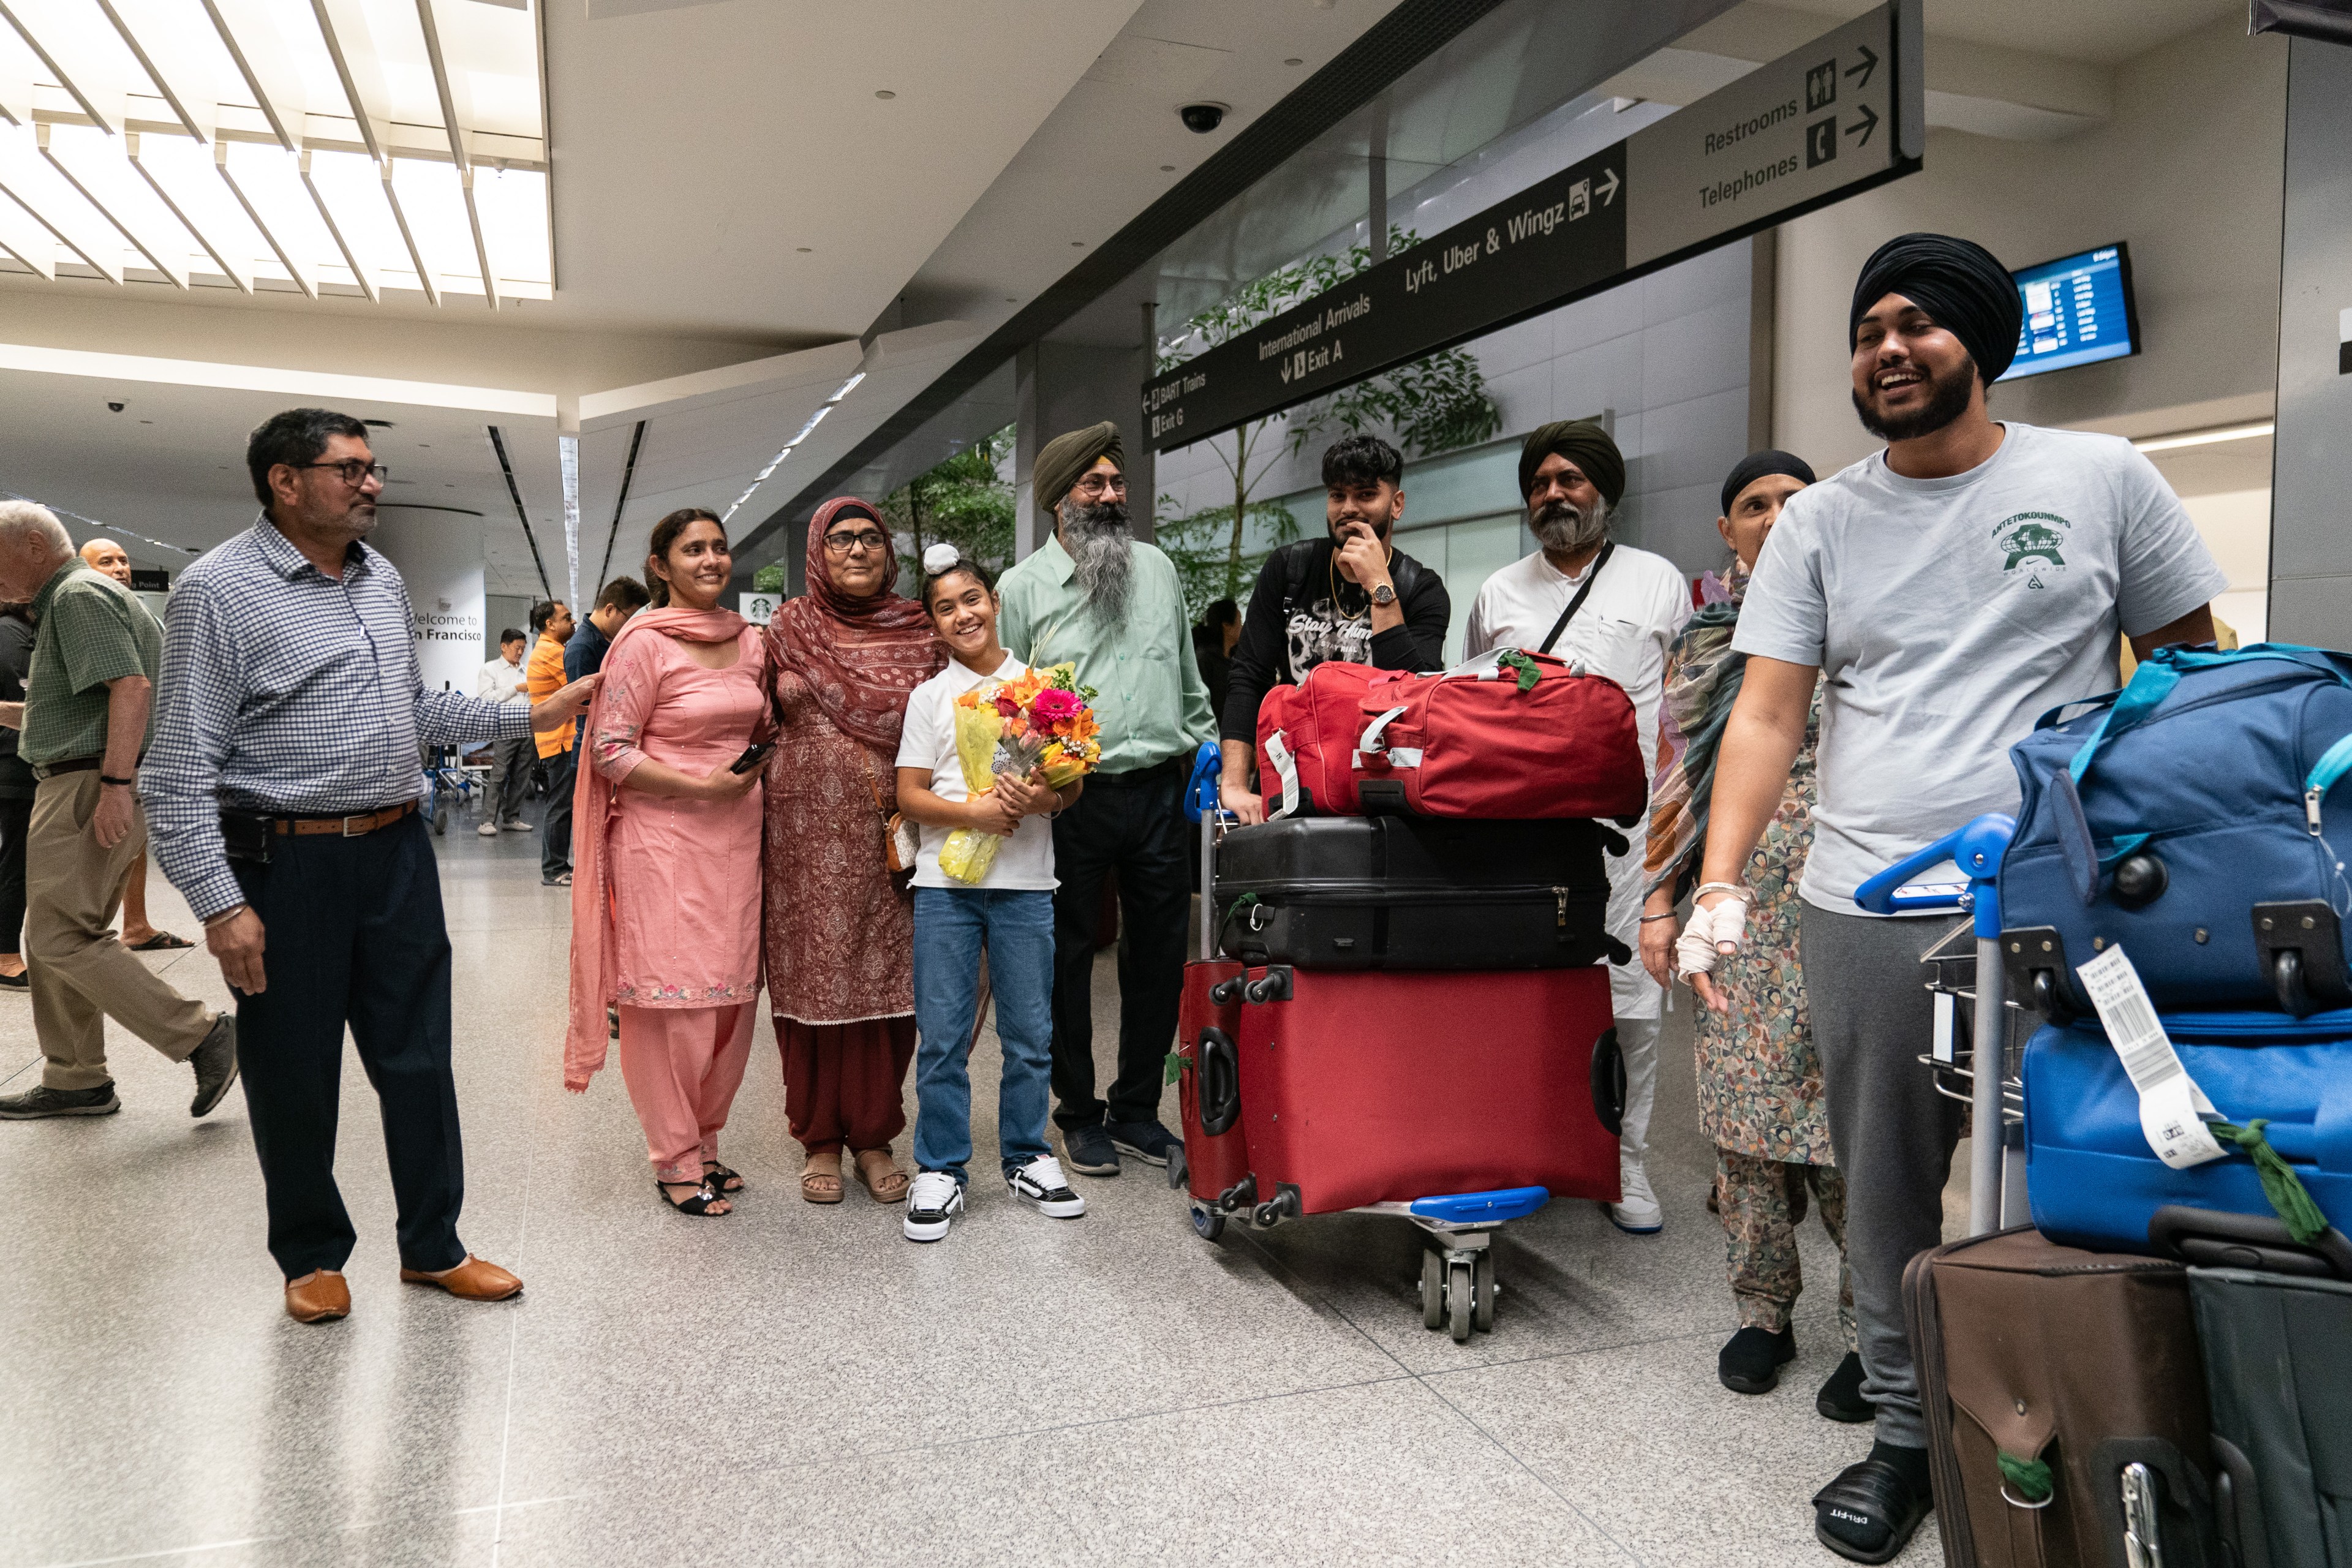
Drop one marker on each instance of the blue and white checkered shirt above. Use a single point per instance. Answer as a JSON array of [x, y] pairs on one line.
[[285, 690]]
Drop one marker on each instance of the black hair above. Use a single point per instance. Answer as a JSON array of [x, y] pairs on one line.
[[666, 534], [542, 613], [1362, 461], [296, 437], [626, 593], [963, 563], [1221, 613], [510, 635]]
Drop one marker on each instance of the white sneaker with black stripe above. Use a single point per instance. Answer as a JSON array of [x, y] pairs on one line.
[[933, 1201], [1041, 1184]]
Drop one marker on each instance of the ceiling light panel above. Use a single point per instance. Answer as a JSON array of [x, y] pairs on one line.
[[277, 145]]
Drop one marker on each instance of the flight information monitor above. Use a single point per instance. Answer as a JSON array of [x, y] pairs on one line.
[[2078, 311]]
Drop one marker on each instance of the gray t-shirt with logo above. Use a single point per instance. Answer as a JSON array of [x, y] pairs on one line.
[[1947, 615]]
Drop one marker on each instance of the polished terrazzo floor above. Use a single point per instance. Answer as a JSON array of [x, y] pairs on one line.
[[799, 1384]]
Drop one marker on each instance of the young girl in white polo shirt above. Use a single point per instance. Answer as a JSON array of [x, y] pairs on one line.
[[1011, 911]]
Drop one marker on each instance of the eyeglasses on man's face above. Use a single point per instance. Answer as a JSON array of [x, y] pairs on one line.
[[352, 472], [848, 543], [1095, 485]]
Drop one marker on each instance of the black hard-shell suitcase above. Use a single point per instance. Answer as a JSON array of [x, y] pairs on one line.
[[1416, 892]]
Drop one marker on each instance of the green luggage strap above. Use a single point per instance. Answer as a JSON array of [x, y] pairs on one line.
[[1512, 658], [2032, 1477], [2285, 1189]]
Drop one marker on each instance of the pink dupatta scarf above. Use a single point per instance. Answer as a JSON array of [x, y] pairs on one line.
[[593, 803]]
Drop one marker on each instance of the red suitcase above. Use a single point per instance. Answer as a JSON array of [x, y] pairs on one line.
[[1208, 1087], [1376, 1086]]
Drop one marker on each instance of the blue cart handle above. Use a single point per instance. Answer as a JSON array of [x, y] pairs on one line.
[[1976, 849], [1201, 791]]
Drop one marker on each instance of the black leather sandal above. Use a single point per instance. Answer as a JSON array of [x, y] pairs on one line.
[[1873, 1501], [699, 1203], [720, 1177]]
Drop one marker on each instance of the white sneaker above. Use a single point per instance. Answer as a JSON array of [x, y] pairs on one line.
[[1636, 1210], [933, 1201], [1041, 1184], [487, 830], [520, 825]]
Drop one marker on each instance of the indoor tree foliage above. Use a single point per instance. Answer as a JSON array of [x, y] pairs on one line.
[[962, 500], [1437, 404]]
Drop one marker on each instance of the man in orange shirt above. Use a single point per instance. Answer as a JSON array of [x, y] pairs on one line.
[[551, 619]]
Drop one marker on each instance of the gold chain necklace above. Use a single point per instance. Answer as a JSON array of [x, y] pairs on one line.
[[1331, 569]]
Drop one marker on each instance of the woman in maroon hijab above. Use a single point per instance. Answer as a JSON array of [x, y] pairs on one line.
[[839, 931]]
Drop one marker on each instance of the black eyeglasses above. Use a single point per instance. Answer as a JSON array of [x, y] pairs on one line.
[[355, 473], [843, 543], [1098, 484]]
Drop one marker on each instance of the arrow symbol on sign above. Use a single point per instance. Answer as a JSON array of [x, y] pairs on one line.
[[1285, 371], [1608, 189], [1869, 64], [1864, 127]]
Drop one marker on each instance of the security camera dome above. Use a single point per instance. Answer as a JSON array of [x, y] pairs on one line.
[[1202, 118]]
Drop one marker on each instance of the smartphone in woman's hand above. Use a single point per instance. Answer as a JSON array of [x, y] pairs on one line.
[[751, 758]]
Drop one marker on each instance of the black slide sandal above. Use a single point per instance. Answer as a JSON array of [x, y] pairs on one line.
[[698, 1205], [1875, 1496]]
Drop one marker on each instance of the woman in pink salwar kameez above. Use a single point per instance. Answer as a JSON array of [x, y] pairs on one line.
[[666, 891]]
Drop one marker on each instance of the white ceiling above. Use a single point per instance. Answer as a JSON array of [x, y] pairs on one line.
[[2097, 32]]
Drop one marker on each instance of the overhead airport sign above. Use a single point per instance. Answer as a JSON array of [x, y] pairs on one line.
[[1845, 112]]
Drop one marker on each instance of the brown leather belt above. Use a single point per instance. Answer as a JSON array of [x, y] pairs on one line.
[[351, 827], [70, 765]]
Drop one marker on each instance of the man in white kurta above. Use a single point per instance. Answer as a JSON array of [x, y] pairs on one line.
[[1634, 603]]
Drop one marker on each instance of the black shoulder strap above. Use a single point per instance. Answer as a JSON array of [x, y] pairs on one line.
[[1577, 604]]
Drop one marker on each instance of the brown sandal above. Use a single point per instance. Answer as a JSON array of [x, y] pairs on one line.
[[819, 1185], [886, 1186]]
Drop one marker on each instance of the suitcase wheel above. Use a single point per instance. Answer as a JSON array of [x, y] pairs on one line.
[[1432, 1291], [1207, 1223], [1457, 1292]]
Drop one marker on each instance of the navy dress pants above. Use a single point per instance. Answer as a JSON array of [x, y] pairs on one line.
[[354, 936]]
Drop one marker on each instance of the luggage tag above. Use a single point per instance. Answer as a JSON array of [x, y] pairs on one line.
[[2172, 1109], [1278, 752]]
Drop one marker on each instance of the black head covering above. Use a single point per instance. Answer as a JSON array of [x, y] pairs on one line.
[[1756, 464], [1063, 461], [1958, 282], [1582, 442]]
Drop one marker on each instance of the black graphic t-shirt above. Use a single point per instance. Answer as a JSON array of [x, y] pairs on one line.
[[1303, 613]]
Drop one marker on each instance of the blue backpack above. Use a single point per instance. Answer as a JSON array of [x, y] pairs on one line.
[[2186, 818]]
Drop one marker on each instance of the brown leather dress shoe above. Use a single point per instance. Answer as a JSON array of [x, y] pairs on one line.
[[318, 1298], [472, 1280]]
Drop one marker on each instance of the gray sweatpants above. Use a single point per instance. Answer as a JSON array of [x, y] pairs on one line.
[[1892, 1132]]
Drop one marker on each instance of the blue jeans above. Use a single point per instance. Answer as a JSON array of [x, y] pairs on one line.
[[950, 926]]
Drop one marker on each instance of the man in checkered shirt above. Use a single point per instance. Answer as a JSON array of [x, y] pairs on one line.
[[282, 792]]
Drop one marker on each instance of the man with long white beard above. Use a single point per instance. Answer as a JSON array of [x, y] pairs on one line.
[[1093, 595], [1613, 610]]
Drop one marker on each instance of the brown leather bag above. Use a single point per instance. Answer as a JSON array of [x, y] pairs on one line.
[[2082, 1362]]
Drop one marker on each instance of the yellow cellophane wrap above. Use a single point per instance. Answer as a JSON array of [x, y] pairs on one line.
[[969, 853]]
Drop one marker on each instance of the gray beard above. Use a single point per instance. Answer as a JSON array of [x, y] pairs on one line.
[[1561, 526], [1101, 553]]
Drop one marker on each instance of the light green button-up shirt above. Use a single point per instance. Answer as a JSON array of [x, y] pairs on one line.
[[1149, 697]]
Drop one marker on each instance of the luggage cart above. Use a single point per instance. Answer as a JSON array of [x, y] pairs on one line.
[[1458, 1287], [1975, 1020]]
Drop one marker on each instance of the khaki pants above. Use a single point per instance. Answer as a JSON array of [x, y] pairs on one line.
[[82, 975]]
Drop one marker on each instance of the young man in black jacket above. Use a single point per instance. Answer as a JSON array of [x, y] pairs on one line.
[[1350, 596]]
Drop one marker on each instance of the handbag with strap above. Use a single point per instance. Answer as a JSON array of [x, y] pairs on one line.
[[899, 842]]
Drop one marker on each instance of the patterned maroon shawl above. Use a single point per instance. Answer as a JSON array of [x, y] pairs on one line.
[[859, 657]]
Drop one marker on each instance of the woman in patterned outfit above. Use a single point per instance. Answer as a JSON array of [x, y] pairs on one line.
[[1760, 1082], [840, 931]]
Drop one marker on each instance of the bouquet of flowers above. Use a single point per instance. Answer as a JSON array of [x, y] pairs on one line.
[[1039, 722]]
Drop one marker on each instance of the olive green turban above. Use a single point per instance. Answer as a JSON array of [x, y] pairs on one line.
[[1062, 460], [1582, 442]]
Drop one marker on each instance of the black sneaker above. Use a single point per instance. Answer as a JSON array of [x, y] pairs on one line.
[[1147, 1141], [1750, 1361], [36, 1103], [1841, 1398], [933, 1201], [215, 1065], [1041, 1185], [1088, 1152], [1868, 1513]]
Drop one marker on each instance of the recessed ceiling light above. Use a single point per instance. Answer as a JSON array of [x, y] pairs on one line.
[[1167, 168], [802, 248], [885, 92], [1013, 300], [1293, 61], [1077, 242]]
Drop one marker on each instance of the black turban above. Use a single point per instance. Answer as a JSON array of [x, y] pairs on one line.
[[1062, 460], [1756, 464], [1582, 442], [1962, 286]]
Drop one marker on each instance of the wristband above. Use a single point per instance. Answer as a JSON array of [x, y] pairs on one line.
[[105, 780], [230, 914], [1667, 916]]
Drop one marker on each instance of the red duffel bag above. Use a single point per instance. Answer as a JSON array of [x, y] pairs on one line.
[[1512, 735], [1307, 740]]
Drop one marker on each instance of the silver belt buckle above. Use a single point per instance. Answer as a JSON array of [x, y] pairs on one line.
[[368, 817]]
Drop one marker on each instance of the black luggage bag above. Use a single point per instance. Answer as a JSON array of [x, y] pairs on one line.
[[1417, 893]]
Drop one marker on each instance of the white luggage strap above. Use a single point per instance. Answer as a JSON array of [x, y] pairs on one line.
[[1285, 767]]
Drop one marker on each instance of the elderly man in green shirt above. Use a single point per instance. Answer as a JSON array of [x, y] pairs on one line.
[[1095, 596], [86, 719]]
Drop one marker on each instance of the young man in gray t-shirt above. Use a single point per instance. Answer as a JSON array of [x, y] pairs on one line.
[[1949, 590]]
